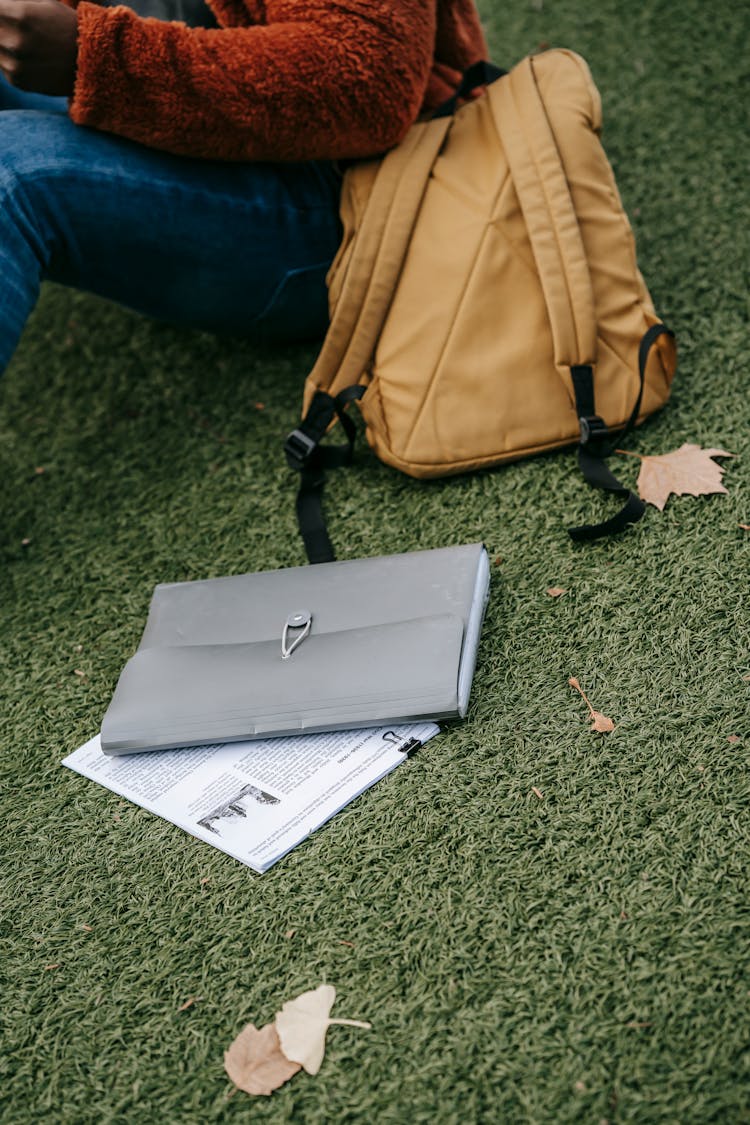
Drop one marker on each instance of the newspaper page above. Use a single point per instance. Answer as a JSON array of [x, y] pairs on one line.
[[254, 800]]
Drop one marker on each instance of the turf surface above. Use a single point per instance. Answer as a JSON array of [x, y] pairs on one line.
[[580, 957]]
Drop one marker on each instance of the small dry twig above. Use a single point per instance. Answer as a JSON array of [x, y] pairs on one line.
[[599, 722]]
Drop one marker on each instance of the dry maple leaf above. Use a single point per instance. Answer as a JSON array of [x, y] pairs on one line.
[[599, 722], [688, 471], [255, 1061], [302, 1025]]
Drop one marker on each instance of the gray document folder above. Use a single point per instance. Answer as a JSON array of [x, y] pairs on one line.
[[328, 647]]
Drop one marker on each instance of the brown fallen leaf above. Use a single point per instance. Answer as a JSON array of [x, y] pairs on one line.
[[189, 1003], [349, 943], [599, 722], [688, 471], [86, 927], [55, 966], [255, 1061], [537, 792], [733, 738], [303, 1022], [290, 933], [555, 591]]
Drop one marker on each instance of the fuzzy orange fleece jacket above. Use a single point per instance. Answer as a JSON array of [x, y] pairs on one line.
[[278, 80]]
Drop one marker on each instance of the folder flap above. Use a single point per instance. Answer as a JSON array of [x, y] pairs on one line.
[[181, 695], [340, 595]]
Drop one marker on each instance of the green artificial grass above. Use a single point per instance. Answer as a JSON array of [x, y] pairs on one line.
[[579, 957]]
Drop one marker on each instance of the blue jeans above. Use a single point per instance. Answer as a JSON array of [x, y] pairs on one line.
[[240, 248]]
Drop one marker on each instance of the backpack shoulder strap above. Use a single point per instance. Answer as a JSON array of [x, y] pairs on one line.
[[377, 256], [379, 249], [543, 193], [541, 185]]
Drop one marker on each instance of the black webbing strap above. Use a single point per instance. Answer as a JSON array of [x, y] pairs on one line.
[[310, 459], [598, 442], [481, 73]]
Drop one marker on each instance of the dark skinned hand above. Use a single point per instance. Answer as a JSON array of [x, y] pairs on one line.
[[38, 45]]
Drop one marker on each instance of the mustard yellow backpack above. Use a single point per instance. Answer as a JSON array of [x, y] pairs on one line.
[[485, 302]]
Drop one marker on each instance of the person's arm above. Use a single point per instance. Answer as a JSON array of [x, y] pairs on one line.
[[39, 38], [320, 80]]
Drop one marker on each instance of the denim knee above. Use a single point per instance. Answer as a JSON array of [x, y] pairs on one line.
[[25, 234]]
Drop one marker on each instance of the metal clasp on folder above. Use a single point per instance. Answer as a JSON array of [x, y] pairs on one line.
[[301, 622]]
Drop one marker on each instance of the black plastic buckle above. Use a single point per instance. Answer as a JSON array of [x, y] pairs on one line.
[[592, 429], [299, 448]]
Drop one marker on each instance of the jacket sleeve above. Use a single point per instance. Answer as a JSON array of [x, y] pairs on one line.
[[319, 80]]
